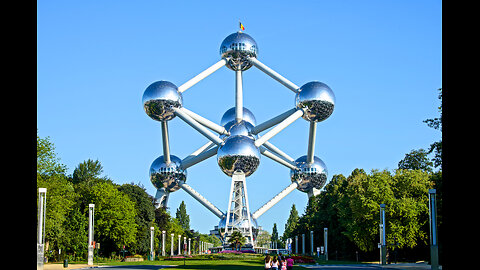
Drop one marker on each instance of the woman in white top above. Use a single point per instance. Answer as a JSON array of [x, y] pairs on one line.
[[268, 262], [275, 263]]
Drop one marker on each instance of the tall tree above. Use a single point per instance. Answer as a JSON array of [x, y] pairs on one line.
[[436, 123], [291, 224], [274, 237], [182, 216], [87, 170], [416, 160]]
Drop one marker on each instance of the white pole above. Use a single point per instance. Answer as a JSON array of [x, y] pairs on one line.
[[166, 145], [296, 244], [171, 249], [238, 96], [189, 247], [179, 237], [200, 150], [303, 243], [274, 131], [272, 122], [276, 199], [42, 203], [277, 151], [276, 158], [325, 242], [311, 142], [192, 160], [163, 243], [270, 72], [205, 132], [311, 243], [201, 199], [151, 243], [184, 245], [202, 75], [205, 122], [91, 213]]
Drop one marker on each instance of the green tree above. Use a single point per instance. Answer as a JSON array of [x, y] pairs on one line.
[[236, 240], [47, 161], [182, 216], [416, 160], [87, 170], [291, 224], [436, 123], [144, 215], [274, 237], [114, 216]]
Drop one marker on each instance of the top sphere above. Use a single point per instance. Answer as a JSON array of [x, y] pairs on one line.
[[160, 98], [229, 116], [239, 46], [317, 99]]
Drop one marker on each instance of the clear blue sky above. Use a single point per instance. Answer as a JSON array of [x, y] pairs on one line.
[[382, 59]]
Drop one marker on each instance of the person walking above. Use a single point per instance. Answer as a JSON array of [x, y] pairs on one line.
[[268, 262], [284, 265], [289, 263], [275, 263]]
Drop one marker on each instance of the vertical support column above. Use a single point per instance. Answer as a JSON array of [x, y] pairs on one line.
[[311, 243], [171, 249], [151, 243], [184, 245], [179, 245], [383, 246], [432, 206], [238, 96], [163, 243], [296, 244], [311, 142], [42, 203], [165, 142], [325, 242], [189, 246], [91, 216], [303, 243]]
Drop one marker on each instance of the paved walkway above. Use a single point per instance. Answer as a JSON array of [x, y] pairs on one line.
[[399, 266]]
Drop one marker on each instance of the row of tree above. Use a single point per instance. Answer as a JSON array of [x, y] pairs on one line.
[[349, 208], [123, 213]]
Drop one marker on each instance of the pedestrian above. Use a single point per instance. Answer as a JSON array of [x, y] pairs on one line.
[[289, 263], [275, 263], [280, 260], [268, 262], [284, 265]]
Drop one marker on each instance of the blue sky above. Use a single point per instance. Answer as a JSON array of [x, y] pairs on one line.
[[382, 59]]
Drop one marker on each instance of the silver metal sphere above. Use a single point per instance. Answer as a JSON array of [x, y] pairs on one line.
[[314, 175], [239, 46], [229, 116], [317, 99], [242, 128], [238, 153], [167, 176], [160, 98]]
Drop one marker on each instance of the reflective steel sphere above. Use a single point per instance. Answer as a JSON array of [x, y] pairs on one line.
[[242, 128], [160, 98], [167, 176], [318, 100], [238, 153], [313, 175], [229, 116], [239, 46]]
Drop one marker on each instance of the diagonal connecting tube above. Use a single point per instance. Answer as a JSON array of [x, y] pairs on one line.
[[192, 160], [205, 132], [272, 122], [278, 159], [274, 131], [205, 122], [202, 75], [276, 199], [270, 72], [202, 200]]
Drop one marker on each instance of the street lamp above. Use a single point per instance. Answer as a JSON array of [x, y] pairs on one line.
[[42, 203], [383, 245], [432, 205], [91, 218]]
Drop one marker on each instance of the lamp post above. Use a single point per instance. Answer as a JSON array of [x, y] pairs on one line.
[[179, 237], [151, 243], [42, 203], [163, 243], [296, 244], [171, 250], [325, 242], [311, 243], [432, 205], [303, 243], [189, 246], [383, 245], [91, 218]]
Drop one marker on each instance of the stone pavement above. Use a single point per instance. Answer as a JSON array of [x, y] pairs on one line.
[[59, 266], [399, 266]]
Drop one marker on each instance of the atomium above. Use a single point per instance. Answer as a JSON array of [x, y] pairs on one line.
[[238, 141], [163, 175], [313, 175]]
